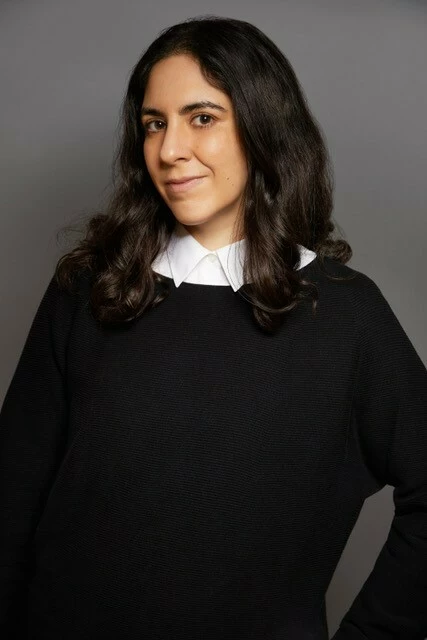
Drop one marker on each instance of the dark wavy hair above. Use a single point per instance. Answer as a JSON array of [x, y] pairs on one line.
[[287, 199]]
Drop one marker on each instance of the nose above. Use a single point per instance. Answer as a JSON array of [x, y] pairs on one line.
[[176, 143]]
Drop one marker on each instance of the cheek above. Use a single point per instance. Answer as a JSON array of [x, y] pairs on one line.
[[211, 149], [224, 157], [232, 170], [146, 158], [150, 162], [148, 153]]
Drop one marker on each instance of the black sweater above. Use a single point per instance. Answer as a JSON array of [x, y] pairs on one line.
[[188, 476]]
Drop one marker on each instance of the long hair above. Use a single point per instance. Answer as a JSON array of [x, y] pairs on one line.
[[287, 199]]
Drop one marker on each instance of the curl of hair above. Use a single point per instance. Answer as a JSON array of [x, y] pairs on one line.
[[287, 201]]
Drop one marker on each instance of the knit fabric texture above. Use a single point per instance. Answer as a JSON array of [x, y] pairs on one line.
[[188, 476]]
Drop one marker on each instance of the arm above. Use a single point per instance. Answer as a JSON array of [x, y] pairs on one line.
[[32, 438], [391, 413]]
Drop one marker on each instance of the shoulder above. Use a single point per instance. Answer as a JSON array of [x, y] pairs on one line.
[[347, 292], [61, 302], [357, 293], [340, 279], [59, 294]]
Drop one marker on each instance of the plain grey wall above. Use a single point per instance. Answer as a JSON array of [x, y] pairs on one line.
[[64, 69]]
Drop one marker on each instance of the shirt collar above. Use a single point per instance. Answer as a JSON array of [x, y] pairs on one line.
[[184, 253]]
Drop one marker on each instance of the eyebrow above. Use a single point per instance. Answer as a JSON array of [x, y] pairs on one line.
[[187, 108]]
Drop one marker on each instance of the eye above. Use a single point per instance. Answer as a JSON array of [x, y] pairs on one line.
[[205, 115], [204, 125], [147, 124]]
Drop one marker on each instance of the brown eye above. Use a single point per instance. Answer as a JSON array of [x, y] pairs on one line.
[[205, 124], [147, 124]]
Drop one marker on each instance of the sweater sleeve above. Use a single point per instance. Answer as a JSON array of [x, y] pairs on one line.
[[32, 436], [391, 416]]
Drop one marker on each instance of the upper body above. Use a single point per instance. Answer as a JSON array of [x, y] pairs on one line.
[[188, 476], [189, 464]]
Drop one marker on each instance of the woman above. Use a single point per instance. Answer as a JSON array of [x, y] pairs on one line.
[[208, 393]]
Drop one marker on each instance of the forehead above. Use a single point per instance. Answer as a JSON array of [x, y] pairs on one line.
[[179, 78]]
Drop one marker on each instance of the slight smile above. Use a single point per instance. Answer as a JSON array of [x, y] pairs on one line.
[[177, 187]]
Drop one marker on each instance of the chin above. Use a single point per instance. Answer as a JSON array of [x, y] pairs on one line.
[[191, 220]]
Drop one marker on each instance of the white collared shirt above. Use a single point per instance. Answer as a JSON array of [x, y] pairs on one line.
[[186, 260]]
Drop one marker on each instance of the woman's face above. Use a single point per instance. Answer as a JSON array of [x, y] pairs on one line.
[[184, 139]]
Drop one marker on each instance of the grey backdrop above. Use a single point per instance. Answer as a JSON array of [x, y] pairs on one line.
[[64, 69]]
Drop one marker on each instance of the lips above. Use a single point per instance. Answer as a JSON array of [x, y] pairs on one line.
[[184, 185], [181, 180]]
